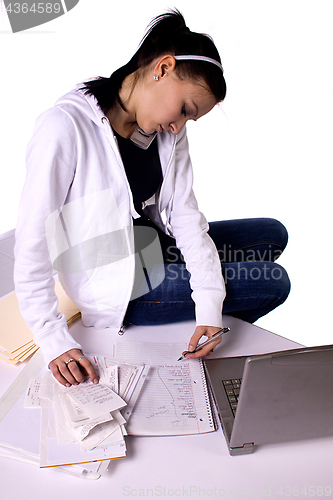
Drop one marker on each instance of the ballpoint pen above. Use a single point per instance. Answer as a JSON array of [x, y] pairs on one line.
[[216, 336]]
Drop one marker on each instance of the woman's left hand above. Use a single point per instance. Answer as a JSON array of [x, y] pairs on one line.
[[208, 331]]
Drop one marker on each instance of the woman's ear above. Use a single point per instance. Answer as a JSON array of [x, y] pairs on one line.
[[164, 66]]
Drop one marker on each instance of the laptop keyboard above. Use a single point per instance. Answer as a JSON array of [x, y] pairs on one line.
[[232, 389]]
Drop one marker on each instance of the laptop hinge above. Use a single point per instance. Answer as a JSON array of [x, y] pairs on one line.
[[242, 450]]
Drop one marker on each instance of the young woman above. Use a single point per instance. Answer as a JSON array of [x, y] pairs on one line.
[[108, 170]]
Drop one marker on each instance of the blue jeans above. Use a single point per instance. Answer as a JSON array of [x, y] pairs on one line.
[[255, 284]]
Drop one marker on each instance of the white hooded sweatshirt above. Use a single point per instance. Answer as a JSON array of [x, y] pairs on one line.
[[76, 205]]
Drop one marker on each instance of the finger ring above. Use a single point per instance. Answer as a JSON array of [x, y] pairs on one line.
[[69, 361], [81, 358]]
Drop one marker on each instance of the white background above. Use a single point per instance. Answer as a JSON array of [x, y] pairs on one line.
[[265, 152]]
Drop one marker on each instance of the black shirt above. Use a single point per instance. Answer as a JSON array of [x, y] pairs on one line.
[[143, 169]]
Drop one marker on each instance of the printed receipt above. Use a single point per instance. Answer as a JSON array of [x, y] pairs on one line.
[[95, 399]]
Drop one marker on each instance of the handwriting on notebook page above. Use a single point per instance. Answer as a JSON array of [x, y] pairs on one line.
[[174, 399]]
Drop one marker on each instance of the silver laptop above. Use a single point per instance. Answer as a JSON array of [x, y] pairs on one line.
[[273, 398]]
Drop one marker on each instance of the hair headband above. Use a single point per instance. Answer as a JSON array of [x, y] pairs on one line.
[[199, 58]]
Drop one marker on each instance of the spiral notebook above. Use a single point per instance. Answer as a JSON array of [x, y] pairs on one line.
[[174, 400]]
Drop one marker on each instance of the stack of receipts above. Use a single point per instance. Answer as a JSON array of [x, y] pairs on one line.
[[89, 414], [82, 425]]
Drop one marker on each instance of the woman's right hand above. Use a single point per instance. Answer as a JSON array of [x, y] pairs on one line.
[[72, 367]]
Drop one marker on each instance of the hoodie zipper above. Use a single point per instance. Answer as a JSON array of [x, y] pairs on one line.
[[121, 330], [111, 137]]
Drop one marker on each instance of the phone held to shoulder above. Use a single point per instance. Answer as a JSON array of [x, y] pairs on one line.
[[141, 139]]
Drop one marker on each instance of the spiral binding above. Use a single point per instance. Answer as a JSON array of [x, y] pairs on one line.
[[206, 393]]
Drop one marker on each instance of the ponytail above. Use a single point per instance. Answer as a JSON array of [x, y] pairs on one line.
[[166, 34]]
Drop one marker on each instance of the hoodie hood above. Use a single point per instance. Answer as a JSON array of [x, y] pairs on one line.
[[84, 103]]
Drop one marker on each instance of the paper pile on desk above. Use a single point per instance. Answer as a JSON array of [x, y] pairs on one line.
[[16, 339], [88, 421]]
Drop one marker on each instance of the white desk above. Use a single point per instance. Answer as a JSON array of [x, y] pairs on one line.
[[193, 467], [188, 466]]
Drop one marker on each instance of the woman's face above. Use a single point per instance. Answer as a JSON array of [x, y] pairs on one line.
[[168, 103]]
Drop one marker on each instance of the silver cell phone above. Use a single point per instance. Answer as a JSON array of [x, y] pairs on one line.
[[141, 139]]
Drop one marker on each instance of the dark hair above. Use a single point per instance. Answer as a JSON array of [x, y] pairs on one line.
[[166, 34]]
